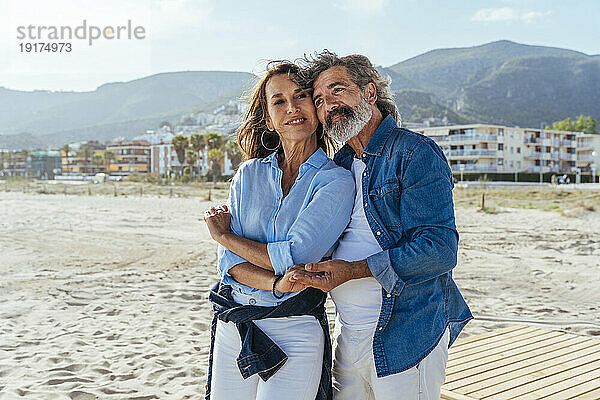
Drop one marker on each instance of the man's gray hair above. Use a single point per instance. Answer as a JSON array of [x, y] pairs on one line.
[[361, 72]]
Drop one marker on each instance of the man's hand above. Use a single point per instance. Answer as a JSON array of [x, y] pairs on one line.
[[286, 285], [327, 275]]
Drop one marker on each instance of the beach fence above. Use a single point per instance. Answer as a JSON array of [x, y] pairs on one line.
[[522, 362], [204, 191]]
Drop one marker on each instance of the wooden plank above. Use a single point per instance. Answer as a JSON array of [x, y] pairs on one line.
[[508, 351], [591, 395], [524, 363], [498, 332], [577, 391], [449, 395], [494, 341], [510, 341], [525, 384], [571, 344], [526, 369], [461, 342], [486, 338], [560, 387]]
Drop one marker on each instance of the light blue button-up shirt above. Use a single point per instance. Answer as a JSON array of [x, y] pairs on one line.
[[299, 228]]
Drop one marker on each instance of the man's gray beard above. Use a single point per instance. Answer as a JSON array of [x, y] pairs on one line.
[[345, 129]]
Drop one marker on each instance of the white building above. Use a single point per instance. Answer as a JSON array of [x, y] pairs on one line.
[[495, 148]]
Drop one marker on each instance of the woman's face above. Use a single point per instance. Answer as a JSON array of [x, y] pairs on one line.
[[291, 111]]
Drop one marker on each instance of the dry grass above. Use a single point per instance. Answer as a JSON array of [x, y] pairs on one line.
[[566, 201], [203, 191]]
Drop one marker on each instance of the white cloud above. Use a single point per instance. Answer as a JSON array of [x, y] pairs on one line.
[[507, 14], [363, 7]]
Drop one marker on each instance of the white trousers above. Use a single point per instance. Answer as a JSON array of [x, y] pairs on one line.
[[302, 340], [354, 376]]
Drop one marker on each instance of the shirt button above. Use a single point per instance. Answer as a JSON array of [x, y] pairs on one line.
[[364, 155], [396, 293], [389, 295], [365, 173], [381, 328], [252, 301], [378, 233], [366, 204]]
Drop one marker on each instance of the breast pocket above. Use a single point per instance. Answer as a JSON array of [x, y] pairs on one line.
[[386, 200]]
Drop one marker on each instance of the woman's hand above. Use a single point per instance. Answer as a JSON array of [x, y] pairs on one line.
[[285, 285], [218, 221]]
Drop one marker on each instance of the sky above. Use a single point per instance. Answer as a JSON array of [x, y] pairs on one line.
[[234, 35]]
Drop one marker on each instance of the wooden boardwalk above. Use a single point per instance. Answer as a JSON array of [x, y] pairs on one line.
[[522, 362]]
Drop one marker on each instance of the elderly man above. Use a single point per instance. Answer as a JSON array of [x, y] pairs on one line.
[[398, 309]]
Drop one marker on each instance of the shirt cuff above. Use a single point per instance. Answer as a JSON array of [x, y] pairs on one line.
[[228, 260], [381, 268], [280, 254]]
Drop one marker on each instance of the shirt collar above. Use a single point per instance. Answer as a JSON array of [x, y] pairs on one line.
[[317, 159], [382, 133]]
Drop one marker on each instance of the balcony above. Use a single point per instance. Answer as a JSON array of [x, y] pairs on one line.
[[555, 156], [470, 153], [533, 154], [537, 168], [470, 137], [474, 168], [567, 157], [585, 157], [567, 143], [532, 140]]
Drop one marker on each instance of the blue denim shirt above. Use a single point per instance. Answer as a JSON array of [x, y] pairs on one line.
[[407, 189], [300, 228]]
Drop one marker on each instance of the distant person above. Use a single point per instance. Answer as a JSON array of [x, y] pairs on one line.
[[398, 309], [288, 204]]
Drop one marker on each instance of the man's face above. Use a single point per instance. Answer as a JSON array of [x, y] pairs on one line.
[[341, 105]]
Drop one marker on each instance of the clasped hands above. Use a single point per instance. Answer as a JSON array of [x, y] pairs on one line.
[[218, 221], [324, 275]]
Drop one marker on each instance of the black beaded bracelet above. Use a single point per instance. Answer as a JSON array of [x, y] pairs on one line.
[[277, 278]]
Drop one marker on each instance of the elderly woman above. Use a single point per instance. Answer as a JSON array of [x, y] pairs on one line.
[[288, 205]]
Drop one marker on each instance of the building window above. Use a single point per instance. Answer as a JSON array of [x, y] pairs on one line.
[[500, 146], [518, 150], [500, 161]]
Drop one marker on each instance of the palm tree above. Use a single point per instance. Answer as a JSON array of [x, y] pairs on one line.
[[181, 144], [235, 153], [98, 160], [198, 142], [191, 157], [108, 157], [215, 159], [2, 158], [214, 141], [86, 154]]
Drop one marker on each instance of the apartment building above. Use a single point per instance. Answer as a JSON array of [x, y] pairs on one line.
[[588, 152], [163, 159], [495, 148], [129, 157]]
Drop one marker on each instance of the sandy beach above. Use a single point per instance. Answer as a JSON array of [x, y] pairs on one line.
[[105, 297]]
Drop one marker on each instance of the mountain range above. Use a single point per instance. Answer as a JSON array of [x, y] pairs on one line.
[[500, 82]]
